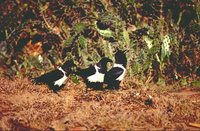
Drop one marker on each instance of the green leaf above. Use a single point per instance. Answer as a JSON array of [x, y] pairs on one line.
[[83, 42], [74, 79], [106, 33], [126, 36], [165, 48], [68, 41], [184, 82], [196, 83], [148, 41], [79, 27], [136, 68]]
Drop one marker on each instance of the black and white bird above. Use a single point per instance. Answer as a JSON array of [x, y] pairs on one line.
[[94, 75], [115, 75], [56, 79]]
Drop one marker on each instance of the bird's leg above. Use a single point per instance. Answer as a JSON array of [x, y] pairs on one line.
[[57, 94]]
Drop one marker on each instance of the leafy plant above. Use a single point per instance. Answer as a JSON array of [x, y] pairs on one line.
[[160, 43]]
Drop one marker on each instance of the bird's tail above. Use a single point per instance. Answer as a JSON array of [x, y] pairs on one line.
[[37, 80]]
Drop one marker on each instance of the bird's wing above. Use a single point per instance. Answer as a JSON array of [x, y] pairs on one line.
[[49, 77], [86, 72], [113, 74]]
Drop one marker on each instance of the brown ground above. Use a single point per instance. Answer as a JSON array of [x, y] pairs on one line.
[[27, 106]]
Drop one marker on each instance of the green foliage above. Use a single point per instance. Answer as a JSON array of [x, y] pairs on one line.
[[126, 36], [167, 49], [79, 27], [195, 83], [106, 33]]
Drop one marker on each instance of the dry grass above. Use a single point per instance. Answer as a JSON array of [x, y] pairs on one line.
[[24, 106]]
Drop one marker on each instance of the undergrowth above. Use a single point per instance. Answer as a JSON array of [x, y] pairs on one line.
[[161, 39]]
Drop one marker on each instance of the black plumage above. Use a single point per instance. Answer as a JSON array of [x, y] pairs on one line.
[[114, 76], [56, 79], [94, 75]]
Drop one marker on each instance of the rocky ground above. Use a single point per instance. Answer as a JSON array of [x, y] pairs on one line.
[[24, 106]]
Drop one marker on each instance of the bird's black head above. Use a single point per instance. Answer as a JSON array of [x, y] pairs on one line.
[[120, 58], [102, 64], [68, 66]]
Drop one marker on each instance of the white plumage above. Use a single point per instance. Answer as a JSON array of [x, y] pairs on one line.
[[124, 71], [62, 80], [97, 77]]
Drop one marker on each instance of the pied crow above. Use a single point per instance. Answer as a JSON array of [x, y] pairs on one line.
[[56, 79], [94, 75], [114, 76]]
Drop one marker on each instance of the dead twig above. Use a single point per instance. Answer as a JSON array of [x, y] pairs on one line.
[[194, 125]]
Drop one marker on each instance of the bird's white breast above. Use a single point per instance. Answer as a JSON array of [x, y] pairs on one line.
[[61, 81], [97, 77], [124, 71]]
